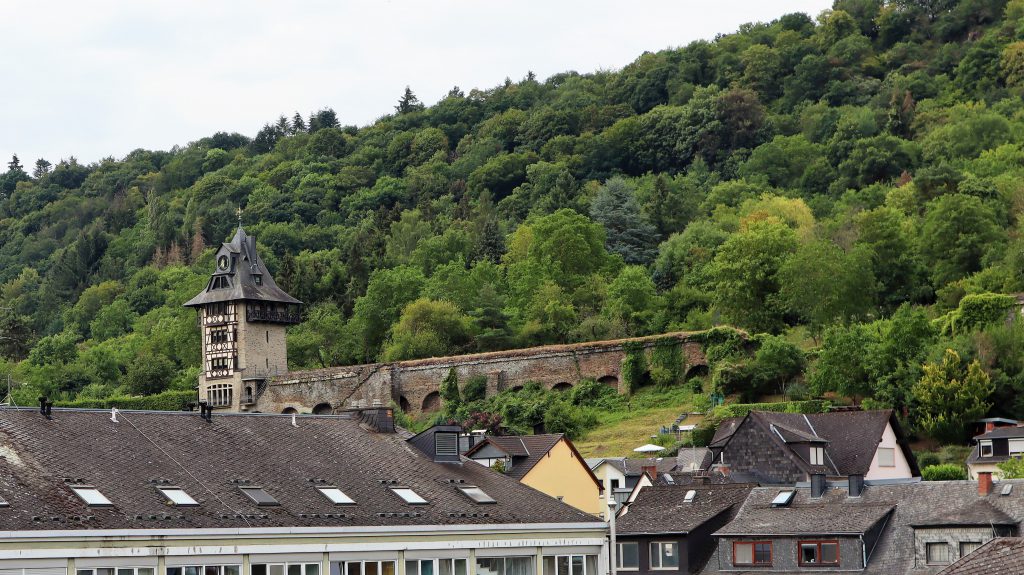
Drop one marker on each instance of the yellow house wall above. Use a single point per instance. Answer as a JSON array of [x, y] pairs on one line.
[[561, 474]]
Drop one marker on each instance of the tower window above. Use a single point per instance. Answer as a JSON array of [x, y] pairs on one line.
[[257, 279]]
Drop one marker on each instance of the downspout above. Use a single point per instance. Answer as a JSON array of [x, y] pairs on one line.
[[864, 552]]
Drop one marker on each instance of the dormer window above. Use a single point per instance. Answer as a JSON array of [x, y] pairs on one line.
[[985, 446], [220, 282], [257, 279], [817, 455]]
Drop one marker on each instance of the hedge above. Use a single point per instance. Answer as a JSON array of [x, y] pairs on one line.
[[165, 401], [944, 472], [741, 409]]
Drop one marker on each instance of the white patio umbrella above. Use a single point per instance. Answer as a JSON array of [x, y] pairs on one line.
[[649, 448]]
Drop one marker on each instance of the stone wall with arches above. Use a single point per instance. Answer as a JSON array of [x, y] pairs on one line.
[[413, 385]]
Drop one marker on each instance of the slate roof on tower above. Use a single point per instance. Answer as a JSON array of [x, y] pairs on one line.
[[247, 276]]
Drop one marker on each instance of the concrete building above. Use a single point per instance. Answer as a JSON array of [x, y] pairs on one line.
[[87, 492]]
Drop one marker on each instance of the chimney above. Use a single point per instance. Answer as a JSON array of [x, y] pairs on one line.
[[380, 419], [45, 407], [856, 483], [984, 483], [989, 426], [650, 469], [817, 485]]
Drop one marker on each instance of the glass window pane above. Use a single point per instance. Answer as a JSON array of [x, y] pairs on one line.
[[519, 566], [577, 565], [427, 567], [295, 569], [387, 568], [461, 567], [412, 568], [370, 568], [177, 496], [277, 570], [444, 566], [829, 552], [763, 553], [591, 564], [490, 566], [145, 571], [128, 571], [352, 568], [629, 556], [174, 571], [258, 569], [232, 569], [670, 555], [191, 570], [105, 571], [313, 569], [809, 553], [743, 554], [655, 555], [409, 495], [549, 565], [84, 572], [212, 570], [562, 563]]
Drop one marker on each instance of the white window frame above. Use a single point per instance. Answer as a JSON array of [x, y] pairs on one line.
[[817, 455], [891, 450], [201, 569], [436, 565], [506, 558], [661, 545], [302, 565], [619, 555], [985, 443], [1015, 446], [362, 566], [151, 570]]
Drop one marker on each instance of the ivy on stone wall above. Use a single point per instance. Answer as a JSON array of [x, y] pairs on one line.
[[634, 366], [667, 361]]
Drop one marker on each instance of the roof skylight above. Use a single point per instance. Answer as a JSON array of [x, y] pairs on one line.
[[409, 495], [689, 496], [91, 496], [259, 496], [177, 496], [336, 495], [476, 494], [1006, 489], [3, 502], [783, 499]]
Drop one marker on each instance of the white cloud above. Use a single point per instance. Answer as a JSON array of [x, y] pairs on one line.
[[101, 78]]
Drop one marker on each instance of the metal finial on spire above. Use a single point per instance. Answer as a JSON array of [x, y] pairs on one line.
[[239, 212]]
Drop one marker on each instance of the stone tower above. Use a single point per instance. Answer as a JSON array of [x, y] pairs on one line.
[[242, 314]]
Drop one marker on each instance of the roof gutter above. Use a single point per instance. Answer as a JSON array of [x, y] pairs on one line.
[[382, 530]]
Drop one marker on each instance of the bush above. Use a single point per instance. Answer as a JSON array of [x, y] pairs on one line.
[[702, 435], [166, 401], [944, 472], [562, 418], [741, 409], [927, 459], [475, 389], [594, 394]]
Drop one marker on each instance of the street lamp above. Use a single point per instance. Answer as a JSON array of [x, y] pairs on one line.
[[611, 522]]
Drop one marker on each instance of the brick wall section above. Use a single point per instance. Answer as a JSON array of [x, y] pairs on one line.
[[412, 383]]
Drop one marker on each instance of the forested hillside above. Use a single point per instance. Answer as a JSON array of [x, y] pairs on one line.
[[851, 184]]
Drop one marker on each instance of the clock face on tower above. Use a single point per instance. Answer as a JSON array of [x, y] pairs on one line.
[[222, 263]]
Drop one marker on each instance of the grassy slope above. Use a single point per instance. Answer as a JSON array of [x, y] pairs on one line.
[[621, 431]]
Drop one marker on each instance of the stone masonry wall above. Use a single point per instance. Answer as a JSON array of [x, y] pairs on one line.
[[414, 384]]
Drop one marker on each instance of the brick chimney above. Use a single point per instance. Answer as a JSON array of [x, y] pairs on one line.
[[650, 469], [989, 426], [984, 483]]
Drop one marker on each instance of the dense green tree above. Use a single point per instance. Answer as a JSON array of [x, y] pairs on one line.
[[825, 285], [149, 375], [950, 395], [428, 328], [628, 233], [958, 232]]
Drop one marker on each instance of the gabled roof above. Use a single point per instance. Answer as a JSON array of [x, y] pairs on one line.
[[1000, 556], [528, 450], [852, 437], [127, 460], [246, 264], [1011, 432], [662, 509], [977, 512]]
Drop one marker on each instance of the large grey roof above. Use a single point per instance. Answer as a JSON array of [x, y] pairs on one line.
[[247, 263], [914, 503], [663, 509], [1003, 432], [126, 460], [1000, 556], [832, 514]]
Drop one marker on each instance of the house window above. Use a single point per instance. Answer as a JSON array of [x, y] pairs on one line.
[[819, 553], [116, 571], [615, 483], [219, 394], [817, 456], [986, 447], [218, 335], [285, 569], [1016, 446], [504, 565], [570, 565], [436, 567], [204, 570], [968, 547], [886, 457], [937, 553], [369, 568], [664, 555], [752, 553], [628, 556]]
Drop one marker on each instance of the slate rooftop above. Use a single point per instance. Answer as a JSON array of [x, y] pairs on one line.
[[128, 460], [662, 509]]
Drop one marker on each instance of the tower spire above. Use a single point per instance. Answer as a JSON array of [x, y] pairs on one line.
[[239, 213]]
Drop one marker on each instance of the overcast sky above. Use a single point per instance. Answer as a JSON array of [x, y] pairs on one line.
[[100, 78]]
